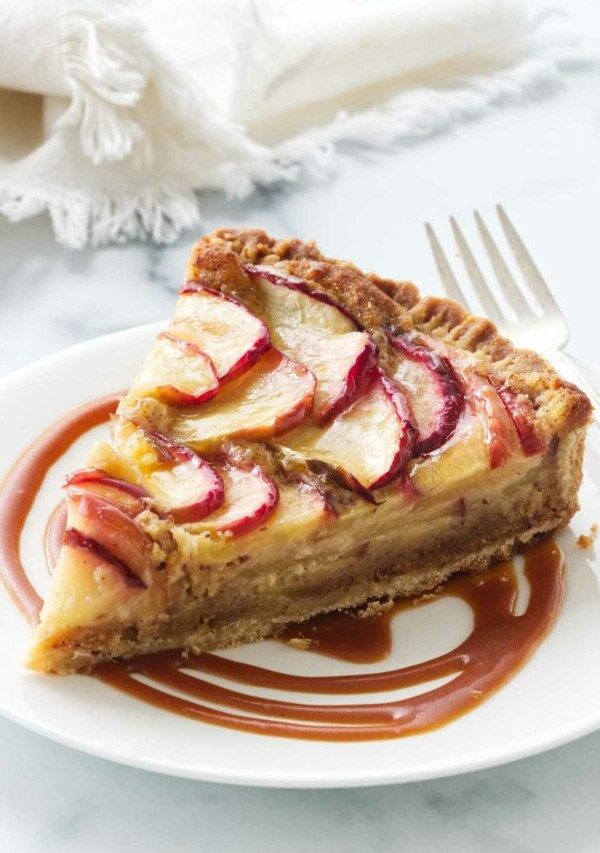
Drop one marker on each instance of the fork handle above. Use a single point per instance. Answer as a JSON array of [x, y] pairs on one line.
[[567, 367]]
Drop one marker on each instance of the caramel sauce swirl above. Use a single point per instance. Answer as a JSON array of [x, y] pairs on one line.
[[20, 487]]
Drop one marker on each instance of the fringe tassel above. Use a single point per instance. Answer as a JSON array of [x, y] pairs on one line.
[[107, 66], [419, 113], [80, 219]]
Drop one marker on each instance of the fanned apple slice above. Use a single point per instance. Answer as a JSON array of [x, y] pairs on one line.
[[177, 372], [463, 457], [522, 413], [302, 508], [500, 432], [269, 399], [294, 304], [231, 336], [501, 420], [130, 497], [372, 440], [103, 529], [250, 498], [341, 365], [183, 484], [95, 556], [89, 582], [434, 393], [317, 333], [179, 481], [105, 561]]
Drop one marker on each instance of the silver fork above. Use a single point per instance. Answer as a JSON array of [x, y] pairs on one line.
[[542, 327]]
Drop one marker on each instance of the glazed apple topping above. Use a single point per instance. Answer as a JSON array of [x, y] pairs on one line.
[[320, 391], [522, 414], [434, 392], [372, 440], [181, 483], [177, 372], [73, 538], [230, 335], [464, 457], [507, 418], [318, 334], [250, 498], [500, 433], [306, 500], [342, 373], [269, 399], [130, 497], [101, 521], [302, 306]]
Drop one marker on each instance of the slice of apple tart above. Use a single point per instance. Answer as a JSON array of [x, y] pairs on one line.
[[303, 438]]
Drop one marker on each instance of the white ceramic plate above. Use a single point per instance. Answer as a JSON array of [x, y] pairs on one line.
[[553, 699]]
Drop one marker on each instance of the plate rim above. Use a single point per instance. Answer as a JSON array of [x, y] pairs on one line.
[[364, 779]]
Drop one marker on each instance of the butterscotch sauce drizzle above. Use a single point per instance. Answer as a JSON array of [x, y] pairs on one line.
[[20, 487], [499, 644]]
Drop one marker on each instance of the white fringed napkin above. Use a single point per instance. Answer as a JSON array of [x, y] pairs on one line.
[[133, 106]]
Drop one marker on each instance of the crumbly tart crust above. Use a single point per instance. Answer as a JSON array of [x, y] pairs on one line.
[[327, 546]]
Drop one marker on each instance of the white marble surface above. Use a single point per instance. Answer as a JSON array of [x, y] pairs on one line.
[[542, 160]]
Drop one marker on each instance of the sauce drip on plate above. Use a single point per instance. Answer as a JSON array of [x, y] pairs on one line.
[[21, 485], [498, 645]]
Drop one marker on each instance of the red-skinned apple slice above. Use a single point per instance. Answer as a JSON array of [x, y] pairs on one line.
[[250, 498], [74, 539], [230, 335], [311, 329], [342, 368], [330, 317], [508, 420], [372, 440], [464, 457], [269, 399], [177, 372], [104, 523], [180, 482], [434, 393], [130, 497], [302, 509], [341, 365], [522, 413], [500, 432]]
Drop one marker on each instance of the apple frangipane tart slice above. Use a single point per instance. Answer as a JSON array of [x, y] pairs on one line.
[[302, 438]]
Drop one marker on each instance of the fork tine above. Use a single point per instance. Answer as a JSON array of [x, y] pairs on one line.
[[509, 286], [490, 307], [531, 273], [449, 282]]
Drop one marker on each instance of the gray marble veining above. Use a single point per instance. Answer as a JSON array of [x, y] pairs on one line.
[[54, 799]]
